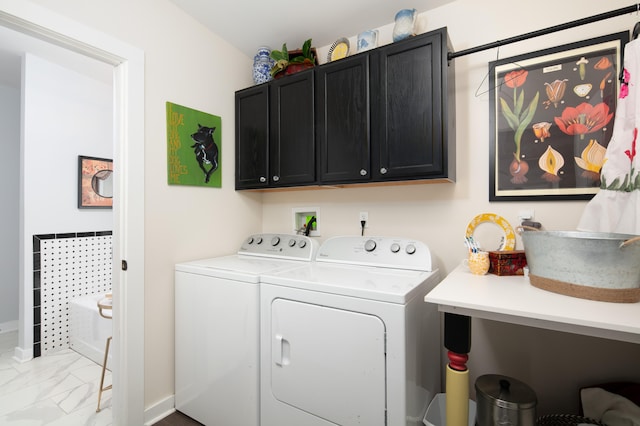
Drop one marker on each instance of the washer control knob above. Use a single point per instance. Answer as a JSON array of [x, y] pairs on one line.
[[259, 240], [292, 242], [411, 249], [395, 247], [275, 241], [370, 245], [302, 244], [250, 240]]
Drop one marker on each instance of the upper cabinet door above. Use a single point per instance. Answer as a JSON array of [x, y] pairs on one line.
[[252, 137], [292, 142], [408, 108], [343, 120]]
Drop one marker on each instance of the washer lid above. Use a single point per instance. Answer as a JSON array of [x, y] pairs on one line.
[[237, 267], [365, 282]]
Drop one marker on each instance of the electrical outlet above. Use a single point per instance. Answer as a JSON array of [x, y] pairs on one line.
[[525, 215], [364, 216]]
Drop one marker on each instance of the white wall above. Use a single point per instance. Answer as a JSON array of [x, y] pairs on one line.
[[188, 65], [64, 114], [10, 196], [183, 65], [438, 214]]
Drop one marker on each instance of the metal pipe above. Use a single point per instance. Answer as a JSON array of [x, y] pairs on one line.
[[555, 28]]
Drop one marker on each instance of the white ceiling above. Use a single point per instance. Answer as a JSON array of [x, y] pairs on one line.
[[245, 25], [249, 25]]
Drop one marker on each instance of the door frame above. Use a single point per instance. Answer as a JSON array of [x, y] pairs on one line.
[[128, 206]]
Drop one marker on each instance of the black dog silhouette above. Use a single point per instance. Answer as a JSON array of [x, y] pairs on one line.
[[206, 150]]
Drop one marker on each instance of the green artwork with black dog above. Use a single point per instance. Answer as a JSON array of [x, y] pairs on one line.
[[193, 147]]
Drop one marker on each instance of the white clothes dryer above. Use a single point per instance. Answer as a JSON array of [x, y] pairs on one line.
[[217, 328], [347, 340]]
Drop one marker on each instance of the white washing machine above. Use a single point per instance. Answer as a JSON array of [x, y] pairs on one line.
[[347, 339], [217, 328]]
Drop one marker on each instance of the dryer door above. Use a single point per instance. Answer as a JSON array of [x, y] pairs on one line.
[[328, 362]]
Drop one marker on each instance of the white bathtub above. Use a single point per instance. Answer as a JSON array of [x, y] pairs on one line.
[[88, 331]]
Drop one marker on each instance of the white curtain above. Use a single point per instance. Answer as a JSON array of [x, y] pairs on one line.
[[616, 207]]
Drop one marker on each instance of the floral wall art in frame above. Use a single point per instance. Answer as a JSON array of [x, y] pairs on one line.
[[193, 147], [551, 119], [95, 183]]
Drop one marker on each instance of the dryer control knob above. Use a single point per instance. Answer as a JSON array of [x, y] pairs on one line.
[[302, 244], [259, 240], [250, 240], [275, 241], [411, 249], [395, 247], [292, 242], [370, 245]]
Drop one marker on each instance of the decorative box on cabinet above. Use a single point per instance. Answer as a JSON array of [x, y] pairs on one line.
[[412, 109], [275, 133]]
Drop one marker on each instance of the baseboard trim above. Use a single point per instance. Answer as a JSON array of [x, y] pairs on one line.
[[159, 410], [22, 355], [9, 326]]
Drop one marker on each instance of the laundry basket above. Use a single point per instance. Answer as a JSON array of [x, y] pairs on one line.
[[566, 420]]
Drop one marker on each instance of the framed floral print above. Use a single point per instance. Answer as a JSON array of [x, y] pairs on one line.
[[551, 119]]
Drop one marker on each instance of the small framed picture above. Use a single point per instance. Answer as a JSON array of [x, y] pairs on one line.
[[95, 183]]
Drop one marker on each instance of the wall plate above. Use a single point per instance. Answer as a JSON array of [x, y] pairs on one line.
[[302, 215]]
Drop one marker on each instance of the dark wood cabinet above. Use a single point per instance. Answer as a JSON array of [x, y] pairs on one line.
[[410, 110], [379, 116], [252, 137], [292, 143], [343, 120], [275, 133]]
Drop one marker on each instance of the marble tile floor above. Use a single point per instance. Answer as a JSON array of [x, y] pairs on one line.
[[59, 389]]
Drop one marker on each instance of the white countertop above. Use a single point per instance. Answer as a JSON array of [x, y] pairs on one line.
[[512, 299]]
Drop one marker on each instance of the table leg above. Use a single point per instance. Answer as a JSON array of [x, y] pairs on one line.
[[457, 339]]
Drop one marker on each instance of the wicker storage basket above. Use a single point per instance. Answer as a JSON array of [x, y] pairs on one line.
[[566, 420]]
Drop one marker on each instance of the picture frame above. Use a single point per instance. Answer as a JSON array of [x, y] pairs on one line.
[[95, 182], [551, 118], [194, 147]]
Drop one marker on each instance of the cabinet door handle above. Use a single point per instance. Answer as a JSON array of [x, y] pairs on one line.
[[263, 179], [383, 171], [276, 178], [363, 172]]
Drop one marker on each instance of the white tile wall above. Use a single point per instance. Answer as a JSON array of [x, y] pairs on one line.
[[70, 266]]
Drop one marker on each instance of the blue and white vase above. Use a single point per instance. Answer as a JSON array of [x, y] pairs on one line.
[[262, 64], [404, 22], [367, 40]]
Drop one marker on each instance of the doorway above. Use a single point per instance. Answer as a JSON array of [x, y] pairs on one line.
[[128, 218]]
